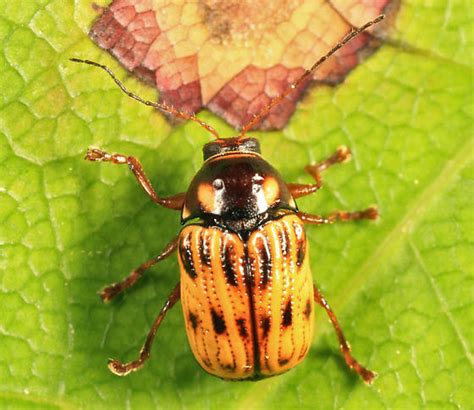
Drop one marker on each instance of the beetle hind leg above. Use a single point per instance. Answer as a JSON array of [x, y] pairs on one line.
[[367, 375], [122, 369], [110, 292]]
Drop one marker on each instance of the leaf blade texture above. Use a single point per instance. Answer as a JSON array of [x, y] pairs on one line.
[[402, 287]]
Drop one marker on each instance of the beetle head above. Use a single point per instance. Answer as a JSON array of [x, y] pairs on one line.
[[235, 185], [225, 145]]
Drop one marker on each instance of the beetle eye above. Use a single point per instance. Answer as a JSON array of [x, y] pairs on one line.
[[218, 184]]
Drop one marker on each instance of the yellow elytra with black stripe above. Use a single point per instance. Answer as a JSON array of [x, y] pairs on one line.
[[246, 285], [247, 304]]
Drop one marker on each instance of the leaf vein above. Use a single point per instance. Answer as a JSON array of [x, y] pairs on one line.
[[442, 301]]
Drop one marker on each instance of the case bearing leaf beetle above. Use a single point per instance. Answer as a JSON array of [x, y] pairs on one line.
[[246, 286]]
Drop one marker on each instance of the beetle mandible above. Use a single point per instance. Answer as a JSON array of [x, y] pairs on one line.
[[245, 285]]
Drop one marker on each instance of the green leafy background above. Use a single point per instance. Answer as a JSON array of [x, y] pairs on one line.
[[402, 287]]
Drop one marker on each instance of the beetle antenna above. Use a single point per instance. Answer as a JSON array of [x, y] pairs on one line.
[[275, 101], [168, 109]]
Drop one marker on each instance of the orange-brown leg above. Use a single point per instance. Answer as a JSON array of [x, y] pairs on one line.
[[366, 374], [343, 216], [108, 293], [172, 202], [122, 369], [342, 154]]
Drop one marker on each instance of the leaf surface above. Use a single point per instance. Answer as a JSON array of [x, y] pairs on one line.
[[402, 287]]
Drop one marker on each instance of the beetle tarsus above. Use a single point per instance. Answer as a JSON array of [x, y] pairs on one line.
[[120, 369], [367, 375], [93, 154], [344, 154], [110, 292], [96, 154], [370, 213]]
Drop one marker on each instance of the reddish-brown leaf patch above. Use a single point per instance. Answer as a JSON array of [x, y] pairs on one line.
[[233, 56]]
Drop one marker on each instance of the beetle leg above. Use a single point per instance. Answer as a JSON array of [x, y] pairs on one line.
[[108, 293], [344, 216], [122, 369], [342, 154], [299, 190], [171, 202], [366, 374]]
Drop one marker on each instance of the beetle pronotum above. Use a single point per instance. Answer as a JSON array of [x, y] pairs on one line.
[[246, 285]]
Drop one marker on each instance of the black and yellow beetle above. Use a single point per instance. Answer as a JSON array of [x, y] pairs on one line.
[[246, 285]]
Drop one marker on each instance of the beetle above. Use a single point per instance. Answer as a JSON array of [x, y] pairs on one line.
[[245, 282]]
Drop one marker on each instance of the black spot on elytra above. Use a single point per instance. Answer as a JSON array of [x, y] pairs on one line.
[[300, 253], [282, 362], [194, 320], [204, 251], [287, 316], [242, 329], [265, 262], [266, 323], [228, 264], [218, 322], [186, 254], [307, 309]]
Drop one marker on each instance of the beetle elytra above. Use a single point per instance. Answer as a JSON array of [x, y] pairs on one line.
[[245, 284]]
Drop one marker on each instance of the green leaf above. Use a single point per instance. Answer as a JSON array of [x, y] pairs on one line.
[[402, 287]]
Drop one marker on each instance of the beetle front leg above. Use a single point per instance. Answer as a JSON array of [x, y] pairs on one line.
[[173, 202], [342, 154], [122, 369], [366, 374], [108, 293], [343, 216]]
